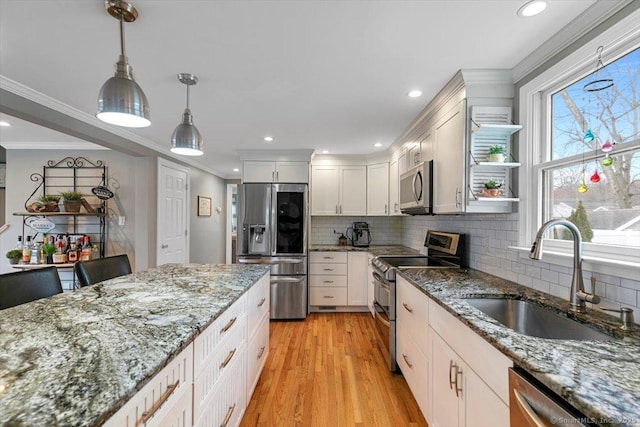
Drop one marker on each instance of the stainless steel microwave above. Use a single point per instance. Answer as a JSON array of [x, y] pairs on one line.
[[415, 189]]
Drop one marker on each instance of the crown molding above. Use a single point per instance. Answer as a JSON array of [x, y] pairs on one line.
[[46, 145]]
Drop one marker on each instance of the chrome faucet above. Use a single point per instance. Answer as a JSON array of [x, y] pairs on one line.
[[578, 295]]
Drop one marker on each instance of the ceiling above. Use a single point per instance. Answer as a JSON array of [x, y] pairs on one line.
[[323, 75]]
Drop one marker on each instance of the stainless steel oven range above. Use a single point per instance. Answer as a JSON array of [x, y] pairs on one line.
[[444, 250]]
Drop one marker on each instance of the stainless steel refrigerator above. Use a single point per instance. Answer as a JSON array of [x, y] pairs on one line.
[[272, 230]]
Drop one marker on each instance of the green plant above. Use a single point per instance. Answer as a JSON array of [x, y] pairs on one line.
[[49, 249], [71, 195], [496, 149], [492, 185], [48, 198], [14, 254]]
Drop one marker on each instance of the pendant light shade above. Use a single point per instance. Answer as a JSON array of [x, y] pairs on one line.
[[186, 139], [121, 101]]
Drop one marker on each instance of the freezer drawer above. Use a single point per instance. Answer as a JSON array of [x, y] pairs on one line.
[[288, 297]]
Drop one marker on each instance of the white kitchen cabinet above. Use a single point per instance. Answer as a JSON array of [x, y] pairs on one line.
[[164, 398], [402, 164], [378, 189], [272, 171], [394, 188], [338, 190], [328, 279], [462, 360], [257, 331], [449, 161], [357, 278], [412, 340]]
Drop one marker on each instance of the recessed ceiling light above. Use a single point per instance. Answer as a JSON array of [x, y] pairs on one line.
[[4, 124], [415, 93], [532, 8], [268, 138], [325, 151], [378, 144], [236, 170]]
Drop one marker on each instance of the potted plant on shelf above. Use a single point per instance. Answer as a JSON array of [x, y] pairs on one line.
[[49, 249], [49, 202], [492, 188], [14, 256], [71, 200], [496, 154]]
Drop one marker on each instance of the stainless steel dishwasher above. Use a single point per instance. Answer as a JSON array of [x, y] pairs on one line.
[[533, 405]]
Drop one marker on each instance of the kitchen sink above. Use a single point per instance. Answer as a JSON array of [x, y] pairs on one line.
[[531, 319]]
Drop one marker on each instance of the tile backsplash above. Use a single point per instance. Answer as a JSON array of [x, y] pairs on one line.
[[385, 230]]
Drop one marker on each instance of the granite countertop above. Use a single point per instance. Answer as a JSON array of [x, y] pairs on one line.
[[376, 250], [599, 378], [75, 358]]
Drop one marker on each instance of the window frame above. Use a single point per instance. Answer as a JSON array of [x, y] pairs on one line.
[[534, 105]]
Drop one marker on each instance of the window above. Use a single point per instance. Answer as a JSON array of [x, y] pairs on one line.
[[591, 172], [559, 158]]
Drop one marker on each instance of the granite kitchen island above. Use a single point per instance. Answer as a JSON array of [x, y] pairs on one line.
[[76, 358]]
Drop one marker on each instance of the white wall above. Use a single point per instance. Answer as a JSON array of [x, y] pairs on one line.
[[207, 242], [121, 172]]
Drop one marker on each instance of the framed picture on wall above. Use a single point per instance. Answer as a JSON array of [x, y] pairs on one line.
[[3, 174], [204, 206]]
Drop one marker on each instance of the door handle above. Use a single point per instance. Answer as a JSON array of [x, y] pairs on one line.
[[273, 176], [164, 246], [385, 209], [336, 208], [404, 356], [406, 307], [277, 175], [340, 209], [527, 409]]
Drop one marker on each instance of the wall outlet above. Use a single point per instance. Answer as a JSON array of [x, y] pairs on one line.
[[121, 220]]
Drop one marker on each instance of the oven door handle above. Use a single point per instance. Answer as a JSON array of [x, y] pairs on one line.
[[380, 280], [378, 317], [527, 410]]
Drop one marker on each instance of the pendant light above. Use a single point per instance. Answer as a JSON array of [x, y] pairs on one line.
[[121, 101], [186, 138]]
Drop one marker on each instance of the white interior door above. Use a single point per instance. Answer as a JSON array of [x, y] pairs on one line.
[[173, 213]]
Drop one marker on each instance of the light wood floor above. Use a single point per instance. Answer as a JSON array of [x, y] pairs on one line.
[[327, 371]]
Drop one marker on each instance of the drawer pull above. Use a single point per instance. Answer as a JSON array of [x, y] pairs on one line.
[[227, 417], [147, 415], [328, 269], [328, 296], [261, 352], [327, 257], [261, 303], [404, 356], [228, 359], [228, 325], [328, 281], [406, 307]]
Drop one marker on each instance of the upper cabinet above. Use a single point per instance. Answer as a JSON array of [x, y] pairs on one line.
[[338, 190], [394, 187], [378, 189], [272, 171], [448, 165]]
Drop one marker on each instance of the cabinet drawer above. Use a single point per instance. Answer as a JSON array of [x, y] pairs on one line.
[[159, 396], [257, 304], [412, 313], [226, 405], [328, 257], [327, 296], [178, 415], [328, 281], [328, 269], [257, 352], [205, 343], [225, 354], [415, 369]]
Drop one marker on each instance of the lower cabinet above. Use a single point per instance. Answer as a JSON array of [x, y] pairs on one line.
[[457, 378], [211, 381], [370, 286], [338, 280]]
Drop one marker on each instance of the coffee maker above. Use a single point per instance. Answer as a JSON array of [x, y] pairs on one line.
[[359, 234]]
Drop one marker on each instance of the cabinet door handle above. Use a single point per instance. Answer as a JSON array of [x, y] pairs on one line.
[[454, 381], [328, 269], [261, 303], [277, 175], [328, 296], [228, 359], [458, 198], [147, 415], [273, 176], [164, 246], [451, 382], [229, 324], [227, 417], [327, 257], [406, 307], [385, 209], [404, 356], [261, 352], [327, 281], [336, 208]]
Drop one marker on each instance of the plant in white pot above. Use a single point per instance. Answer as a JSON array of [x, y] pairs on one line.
[[496, 154]]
